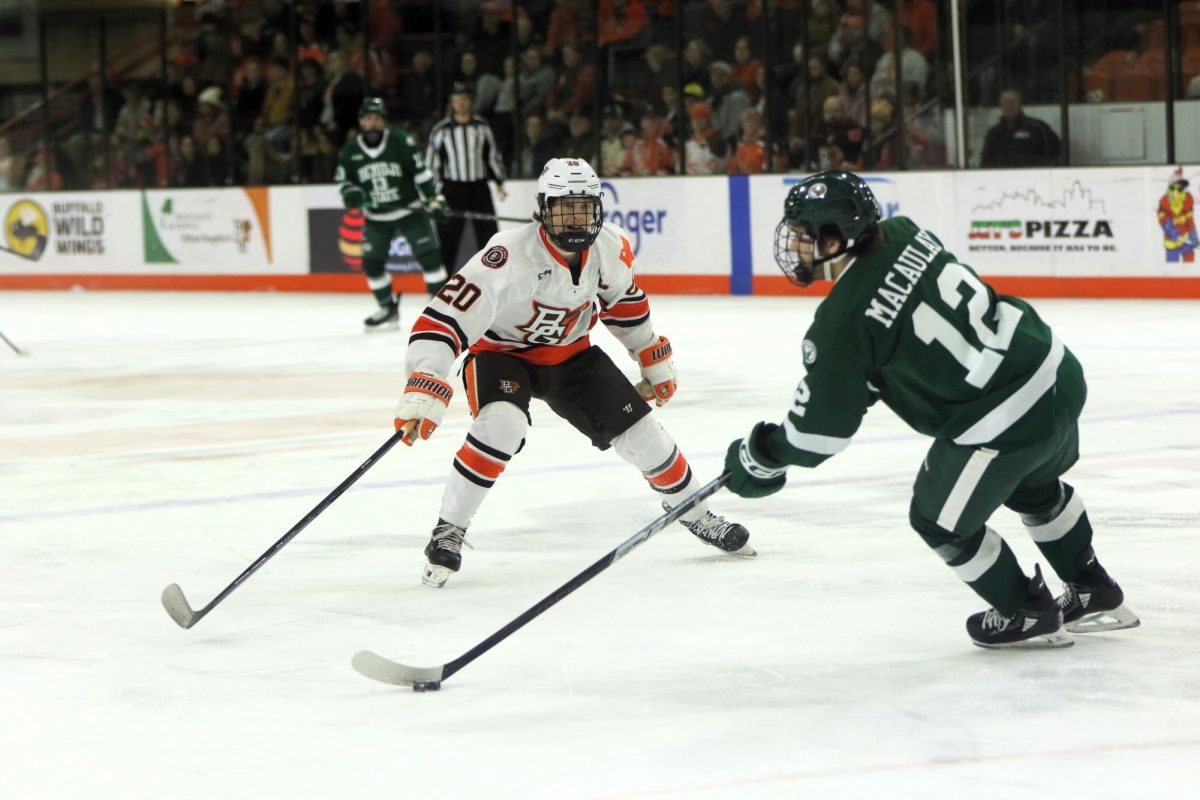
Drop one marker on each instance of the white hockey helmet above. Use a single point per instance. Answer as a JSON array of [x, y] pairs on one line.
[[570, 177]]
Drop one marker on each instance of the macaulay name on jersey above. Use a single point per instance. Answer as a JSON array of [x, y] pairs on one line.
[[898, 284]]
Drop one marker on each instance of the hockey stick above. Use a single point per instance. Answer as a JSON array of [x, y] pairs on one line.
[[424, 679], [8, 342], [487, 217], [177, 605]]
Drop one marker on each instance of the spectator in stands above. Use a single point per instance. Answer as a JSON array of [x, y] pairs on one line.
[[696, 58], [540, 146], [729, 100], [135, 109], [484, 86], [677, 126], [750, 157], [920, 17], [620, 20], [876, 16], [705, 150], [664, 71], [418, 101], [719, 24], [693, 94], [310, 93], [572, 89], [651, 155], [277, 105], [211, 119], [10, 167], [882, 153], [318, 159], [251, 93], [852, 91], [922, 131], [344, 91], [216, 160], [490, 39], [808, 98], [190, 168], [99, 109], [838, 142], [822, 25], [1017, 140], [851, 42], [913, 66], [570, 23], [611, 151], [537, 81], [745, 66], [582, 142]]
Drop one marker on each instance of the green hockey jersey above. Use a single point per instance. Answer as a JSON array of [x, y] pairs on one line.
[[388, 181], [909, 325]]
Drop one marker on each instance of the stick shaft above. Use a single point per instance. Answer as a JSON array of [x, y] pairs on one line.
[[301, 525], [488, 217], [605, 561], [8, 342]]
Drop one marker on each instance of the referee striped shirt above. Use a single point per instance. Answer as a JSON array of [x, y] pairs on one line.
[[464, 152]]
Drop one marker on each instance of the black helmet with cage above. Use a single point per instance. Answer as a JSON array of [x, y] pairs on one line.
[[831, 203]]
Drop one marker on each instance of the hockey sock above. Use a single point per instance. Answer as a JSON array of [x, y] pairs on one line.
[[495, 436], [981, 560], [433, 270], [651, 449], [379, 281], [1061, 532]]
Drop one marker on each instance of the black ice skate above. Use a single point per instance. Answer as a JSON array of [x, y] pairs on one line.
[[444, 552], [386, 317], [720, 533], [1037, 624], [1095, 602]]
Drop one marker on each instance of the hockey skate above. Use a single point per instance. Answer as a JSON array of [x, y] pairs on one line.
[[385, 318], [1095, 602], [720, 533], [444, 553], [1037, 624]]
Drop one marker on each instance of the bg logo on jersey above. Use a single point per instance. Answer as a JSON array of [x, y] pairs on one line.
[[637, 221], [551, 325]]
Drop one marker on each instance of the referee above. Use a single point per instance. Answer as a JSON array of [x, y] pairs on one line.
[[462, 154]]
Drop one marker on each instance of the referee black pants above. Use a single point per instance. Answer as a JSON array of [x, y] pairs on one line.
[[465, 196]]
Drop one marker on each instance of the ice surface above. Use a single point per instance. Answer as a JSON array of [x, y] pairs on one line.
[[150, 438]]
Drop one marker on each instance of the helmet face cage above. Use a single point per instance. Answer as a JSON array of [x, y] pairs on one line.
[[828, 204], [557, 216]]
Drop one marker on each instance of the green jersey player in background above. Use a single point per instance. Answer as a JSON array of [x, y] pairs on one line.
[[382, 172], [981, 373]]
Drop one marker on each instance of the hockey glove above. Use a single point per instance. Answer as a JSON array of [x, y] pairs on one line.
[[421, 407], [659, 377], [753, 471], [354, 197], [438, 208]]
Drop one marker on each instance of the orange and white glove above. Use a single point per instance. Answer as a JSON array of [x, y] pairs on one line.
[[659, 377], [422, 405]]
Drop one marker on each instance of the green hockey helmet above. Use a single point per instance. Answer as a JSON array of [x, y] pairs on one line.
[[372, 105], [829, 203]]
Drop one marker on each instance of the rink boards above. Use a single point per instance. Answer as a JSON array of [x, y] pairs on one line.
[[1100, 232]]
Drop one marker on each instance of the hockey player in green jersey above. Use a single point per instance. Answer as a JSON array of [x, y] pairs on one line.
[[981, 373], [382, 172]]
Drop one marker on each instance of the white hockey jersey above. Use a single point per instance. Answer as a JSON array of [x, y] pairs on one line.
[[518, 296]]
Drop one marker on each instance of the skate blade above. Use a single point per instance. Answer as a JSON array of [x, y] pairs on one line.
[[1114, 620], [386, 326], [745, 551], [1047, 641], [435, 576]]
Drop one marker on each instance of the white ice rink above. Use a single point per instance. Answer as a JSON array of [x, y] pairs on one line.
[[151, 438]]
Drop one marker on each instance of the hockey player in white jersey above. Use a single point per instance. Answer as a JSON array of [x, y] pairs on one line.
[[522, 309]]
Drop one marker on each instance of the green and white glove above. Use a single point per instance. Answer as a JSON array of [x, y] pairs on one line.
[[753, 471]]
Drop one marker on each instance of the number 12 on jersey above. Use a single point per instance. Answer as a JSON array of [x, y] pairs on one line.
[[930, 325]]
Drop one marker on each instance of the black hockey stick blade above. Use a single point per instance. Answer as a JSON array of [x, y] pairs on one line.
[[385, 670], [177, 606]]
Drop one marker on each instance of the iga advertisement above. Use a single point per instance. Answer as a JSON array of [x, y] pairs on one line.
[[213, 230], [66, 232]]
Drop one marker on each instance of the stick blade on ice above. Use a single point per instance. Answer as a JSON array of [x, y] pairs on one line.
[[384, 670], [177, 606]]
